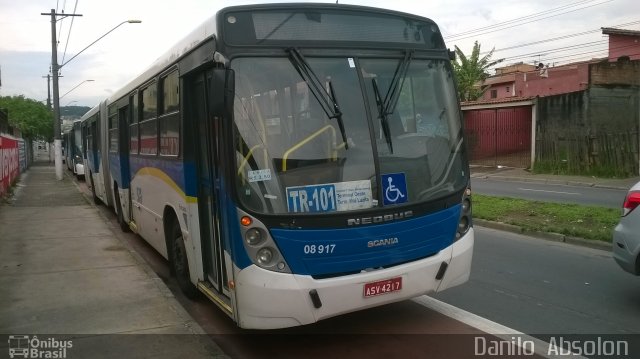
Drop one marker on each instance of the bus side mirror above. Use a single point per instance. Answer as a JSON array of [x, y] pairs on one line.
[[223, 91]]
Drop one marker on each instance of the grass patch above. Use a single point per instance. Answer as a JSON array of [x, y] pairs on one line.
[[579, 169], [588, 222]]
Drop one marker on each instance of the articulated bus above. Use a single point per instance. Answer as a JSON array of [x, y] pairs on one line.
[[294, 162], [97, 176], [73, 154]]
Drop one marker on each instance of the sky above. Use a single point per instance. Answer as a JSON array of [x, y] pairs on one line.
[[111, 62]]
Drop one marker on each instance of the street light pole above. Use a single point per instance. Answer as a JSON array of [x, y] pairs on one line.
[[55, 68]]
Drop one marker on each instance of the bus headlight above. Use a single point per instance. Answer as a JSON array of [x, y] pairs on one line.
[[253, 237], [260, 247], [466, 205], [264, 256], [464, 223]]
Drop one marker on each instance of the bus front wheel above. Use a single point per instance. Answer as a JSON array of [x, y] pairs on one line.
[[179, 263], [96, 200], [124, 226]]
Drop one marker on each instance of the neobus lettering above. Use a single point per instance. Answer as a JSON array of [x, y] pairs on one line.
[[379, 219]]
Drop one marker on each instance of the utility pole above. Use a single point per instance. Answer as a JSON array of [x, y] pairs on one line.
[[57, 136], [55, 68], [48, 90]]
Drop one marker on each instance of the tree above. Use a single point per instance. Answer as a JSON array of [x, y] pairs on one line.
[[31, 117], [472, 71]]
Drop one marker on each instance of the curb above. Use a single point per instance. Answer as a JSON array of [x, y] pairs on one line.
[[548, 181], [549, 236]]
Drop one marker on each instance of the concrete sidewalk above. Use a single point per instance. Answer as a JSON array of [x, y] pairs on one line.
[[522, 175], [64, 271]]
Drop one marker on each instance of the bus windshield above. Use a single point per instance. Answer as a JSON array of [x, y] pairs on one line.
[[391, 135]]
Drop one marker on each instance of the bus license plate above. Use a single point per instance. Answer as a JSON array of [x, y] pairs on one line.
[[382, 287]]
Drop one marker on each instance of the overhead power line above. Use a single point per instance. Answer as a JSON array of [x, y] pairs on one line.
[[559, 38], [573, 57], [518, 19], [558, 49], [527, 22], [594, 51], [64, 6], [64, 53]]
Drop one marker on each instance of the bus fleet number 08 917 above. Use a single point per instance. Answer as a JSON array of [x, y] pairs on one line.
[[319, 249]]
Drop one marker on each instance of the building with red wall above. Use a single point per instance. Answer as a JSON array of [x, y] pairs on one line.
[[538, 81], [527, 112], [523, 80], [623, 43]]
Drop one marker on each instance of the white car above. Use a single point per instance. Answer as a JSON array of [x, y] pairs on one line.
[[626, 235]]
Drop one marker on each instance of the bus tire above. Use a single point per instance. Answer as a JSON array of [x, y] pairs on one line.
[[124, 226], [179, 262], [96, 200]]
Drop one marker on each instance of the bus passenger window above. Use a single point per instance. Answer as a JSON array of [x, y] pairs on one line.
[[149, 124], [169, 118]]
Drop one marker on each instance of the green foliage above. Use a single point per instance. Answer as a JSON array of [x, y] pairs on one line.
[[471, 71], [31, 117], [588, 222]]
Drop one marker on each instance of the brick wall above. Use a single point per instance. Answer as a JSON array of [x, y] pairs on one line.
[[616, 73]]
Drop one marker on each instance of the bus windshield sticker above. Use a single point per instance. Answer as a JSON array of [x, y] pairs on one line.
[[259, 175], [352, 64], [394, 186], [330, 197]]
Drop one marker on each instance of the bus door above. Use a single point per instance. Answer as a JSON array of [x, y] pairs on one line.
[[209, 175], [124, 178]]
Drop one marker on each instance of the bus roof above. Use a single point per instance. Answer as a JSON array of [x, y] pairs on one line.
[[366, 26], [176, 52], [323, 25]]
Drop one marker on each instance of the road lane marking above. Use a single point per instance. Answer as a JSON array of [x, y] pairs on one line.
[[483, 324], [542, 190]]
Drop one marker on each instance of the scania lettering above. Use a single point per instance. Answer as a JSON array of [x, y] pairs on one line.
[[383, 242]]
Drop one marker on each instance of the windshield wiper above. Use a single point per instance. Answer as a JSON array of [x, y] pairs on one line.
[[327, 99], [387, 106], [382, 115]]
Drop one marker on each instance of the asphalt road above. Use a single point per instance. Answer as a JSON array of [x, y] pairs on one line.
[[542, 287], [534, 286], [550, 193]]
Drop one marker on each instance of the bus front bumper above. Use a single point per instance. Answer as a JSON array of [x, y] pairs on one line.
[[269, 300], [79, 169]]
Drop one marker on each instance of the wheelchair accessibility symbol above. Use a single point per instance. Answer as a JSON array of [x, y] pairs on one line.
[[394, 186]]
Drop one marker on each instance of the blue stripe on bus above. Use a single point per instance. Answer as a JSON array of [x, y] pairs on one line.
[[117, 172], [93, 160], [327, 252]]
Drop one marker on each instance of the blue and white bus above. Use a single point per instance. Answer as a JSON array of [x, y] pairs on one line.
[[294, 162], [94, 136], [73, 153]]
